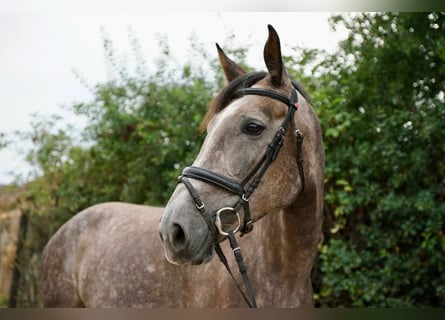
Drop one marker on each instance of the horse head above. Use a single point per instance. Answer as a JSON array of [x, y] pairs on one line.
[[246, 167]]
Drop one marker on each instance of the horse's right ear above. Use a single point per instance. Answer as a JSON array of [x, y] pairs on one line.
[[230, 68]]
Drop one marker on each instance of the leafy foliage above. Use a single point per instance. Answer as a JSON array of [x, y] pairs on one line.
[[382, 114], [380, 99], [3, 141]]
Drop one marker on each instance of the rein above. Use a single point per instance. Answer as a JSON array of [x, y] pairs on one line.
[[228, 216]]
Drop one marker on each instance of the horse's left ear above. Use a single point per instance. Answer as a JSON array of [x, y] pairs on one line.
[[273, 59], [230, 68]]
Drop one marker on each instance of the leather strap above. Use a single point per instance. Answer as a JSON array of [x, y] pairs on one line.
[[213, 178], [263, 92]]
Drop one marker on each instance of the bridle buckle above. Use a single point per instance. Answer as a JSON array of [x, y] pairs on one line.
[[199, 206]]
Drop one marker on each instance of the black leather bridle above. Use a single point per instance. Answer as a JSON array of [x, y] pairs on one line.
[[218, 220]]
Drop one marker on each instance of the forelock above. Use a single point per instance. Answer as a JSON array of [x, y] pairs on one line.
[[225, 96]]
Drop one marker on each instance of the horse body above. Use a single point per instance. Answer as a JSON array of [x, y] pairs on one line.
[[110, 255]]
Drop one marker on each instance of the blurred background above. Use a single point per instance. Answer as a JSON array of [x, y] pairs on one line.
[[46, 57], [97, 107]]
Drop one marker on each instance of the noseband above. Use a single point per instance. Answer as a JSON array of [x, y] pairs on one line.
[[218, 220]]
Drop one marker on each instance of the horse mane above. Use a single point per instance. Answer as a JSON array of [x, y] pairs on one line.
[[225, 96], [299, 87]]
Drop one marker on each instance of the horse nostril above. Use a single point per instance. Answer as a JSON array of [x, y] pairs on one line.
[[179, 238]]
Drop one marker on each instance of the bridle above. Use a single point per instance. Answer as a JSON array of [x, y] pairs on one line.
[[218, 220], [245, 188]]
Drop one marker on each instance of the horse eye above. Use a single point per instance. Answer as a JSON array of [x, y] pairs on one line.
[[253, 128]]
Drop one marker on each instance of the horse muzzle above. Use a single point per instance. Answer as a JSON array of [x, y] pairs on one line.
[[185, 241]]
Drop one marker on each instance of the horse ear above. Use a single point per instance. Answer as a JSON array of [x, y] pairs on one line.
[[273, 59], [230, 68]]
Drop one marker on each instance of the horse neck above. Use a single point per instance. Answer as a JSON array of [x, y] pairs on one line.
[[289, 241]]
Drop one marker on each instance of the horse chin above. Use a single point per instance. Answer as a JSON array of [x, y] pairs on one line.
[[202, 257]]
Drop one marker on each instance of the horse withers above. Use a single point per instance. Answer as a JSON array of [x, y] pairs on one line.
[[254, 175]]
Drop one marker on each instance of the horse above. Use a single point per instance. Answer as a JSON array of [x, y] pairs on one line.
[[254, 176]]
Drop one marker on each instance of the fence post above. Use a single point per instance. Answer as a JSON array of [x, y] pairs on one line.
[[23, 229]]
